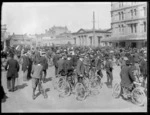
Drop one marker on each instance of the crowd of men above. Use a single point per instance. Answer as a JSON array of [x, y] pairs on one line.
[[69, 59]]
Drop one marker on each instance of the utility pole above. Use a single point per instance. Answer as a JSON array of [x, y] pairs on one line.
[[93, 28]]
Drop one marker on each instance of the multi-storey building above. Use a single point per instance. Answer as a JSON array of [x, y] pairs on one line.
[[129, 24]]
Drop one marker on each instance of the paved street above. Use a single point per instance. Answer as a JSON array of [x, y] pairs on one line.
[[21, 100]]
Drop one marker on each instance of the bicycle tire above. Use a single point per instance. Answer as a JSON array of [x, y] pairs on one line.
[[137, 93]]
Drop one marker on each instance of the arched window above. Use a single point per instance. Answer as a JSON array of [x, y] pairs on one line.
[[122, 28], [122, 16], [144, 26], [119, 16], [135, 12], [131, 13], [119, 28]]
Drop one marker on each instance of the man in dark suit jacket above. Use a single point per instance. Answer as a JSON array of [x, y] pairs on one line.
[[25, 66], [55, 59], [80, 69], [126, 75], [44, 62], [12, 72], [61, 65], [109, 69]]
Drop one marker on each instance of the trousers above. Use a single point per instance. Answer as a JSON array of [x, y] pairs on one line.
[[109, 77], [11, 83], [25, 75]]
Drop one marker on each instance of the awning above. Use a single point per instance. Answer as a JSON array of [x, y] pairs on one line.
[[125, 38]]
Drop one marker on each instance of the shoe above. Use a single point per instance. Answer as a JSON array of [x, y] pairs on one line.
[[33, 97], [45, 96], [10, 90]]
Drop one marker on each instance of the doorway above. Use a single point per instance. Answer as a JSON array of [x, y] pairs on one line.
[[133, 45]]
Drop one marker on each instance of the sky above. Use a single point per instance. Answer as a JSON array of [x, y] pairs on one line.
[[32, 18]]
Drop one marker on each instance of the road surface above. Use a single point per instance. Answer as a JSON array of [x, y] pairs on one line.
[[21, 100]]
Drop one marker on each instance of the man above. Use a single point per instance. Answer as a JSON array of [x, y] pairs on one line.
[[44, 61], [12, 73], [109, 69], [55, 59], [86, 62], [25, 66], [126, 75], [80, 69], [61, 67], [98, 65], [69, 68], [74, 59], [143, 69], [29, 56], [37, 78]]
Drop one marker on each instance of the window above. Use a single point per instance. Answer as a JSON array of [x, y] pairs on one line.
[[144, 26], [131, 13], [119, 16], [122, 28], [131, 28], [122, 16], [119, 4], [119, 28], [135, 12], [135, 28], [144, 8]]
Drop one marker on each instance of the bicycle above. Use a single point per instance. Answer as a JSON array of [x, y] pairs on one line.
[[81, 88], [136, 93]]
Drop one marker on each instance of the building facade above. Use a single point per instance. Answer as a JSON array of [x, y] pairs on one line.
[[85, 37], [19, 39], [129, 24], [55, 35], [5, 39]]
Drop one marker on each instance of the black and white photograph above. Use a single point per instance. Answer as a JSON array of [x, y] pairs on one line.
[[74, 57]]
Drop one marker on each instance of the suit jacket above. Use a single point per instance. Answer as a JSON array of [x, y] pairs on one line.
[[108, 66], [25, 63], [74, 60], [44, 62], [61, 65], [13, 68], [37, 71], [143, 67], [68, 65], [125, 76], [55, 59], [98, 63], [80, 68]]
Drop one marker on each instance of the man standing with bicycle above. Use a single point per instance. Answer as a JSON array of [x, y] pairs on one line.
[[37, 79], [98, 65], [109, 70], [80, 69]]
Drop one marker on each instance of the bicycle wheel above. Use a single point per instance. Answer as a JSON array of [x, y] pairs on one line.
[[67, 90], [86, 82], [94, 83], [80, 92], [138, 96], [61, 85], [116, 90]]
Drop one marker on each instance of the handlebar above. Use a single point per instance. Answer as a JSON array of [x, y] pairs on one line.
[[136, 83]]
